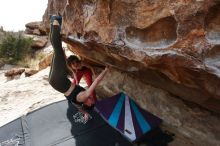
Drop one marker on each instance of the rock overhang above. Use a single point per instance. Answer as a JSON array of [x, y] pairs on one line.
[[167, 44]]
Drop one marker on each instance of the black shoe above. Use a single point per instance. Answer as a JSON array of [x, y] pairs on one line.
[[56, 17]]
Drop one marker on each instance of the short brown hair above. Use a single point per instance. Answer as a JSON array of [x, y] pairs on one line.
[[73, 58]]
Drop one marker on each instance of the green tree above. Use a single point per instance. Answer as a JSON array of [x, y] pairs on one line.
[[15, 46]]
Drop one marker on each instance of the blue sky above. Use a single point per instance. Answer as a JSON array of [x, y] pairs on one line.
[[14, 14]]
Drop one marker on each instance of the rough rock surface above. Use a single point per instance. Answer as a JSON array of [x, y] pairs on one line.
[[15, 71], [35, 28], [45, 62], [39, 43], [192, 125], [30, 72], [172, 45]]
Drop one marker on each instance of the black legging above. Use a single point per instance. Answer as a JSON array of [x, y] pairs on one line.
[[58, 71]]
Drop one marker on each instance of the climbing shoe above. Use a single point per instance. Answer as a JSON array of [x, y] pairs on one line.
[[56, 17]]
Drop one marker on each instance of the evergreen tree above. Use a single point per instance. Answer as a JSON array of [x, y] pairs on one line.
[[14, 46]]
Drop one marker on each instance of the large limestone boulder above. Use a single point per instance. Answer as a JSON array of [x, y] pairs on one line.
[[14, 72], [35, 28], [39, 42], [172, 45], [192, 125]]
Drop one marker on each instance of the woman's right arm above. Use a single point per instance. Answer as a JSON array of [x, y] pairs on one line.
[[97, 80], [83, 96]]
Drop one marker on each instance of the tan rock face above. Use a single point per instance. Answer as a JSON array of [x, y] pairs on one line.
[[45, 62], [39, 43], [30, 72], [172, 45], [192, 126], [35, 28], [14, 72]]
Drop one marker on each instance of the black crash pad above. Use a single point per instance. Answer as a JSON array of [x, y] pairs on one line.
[[54, 125]]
